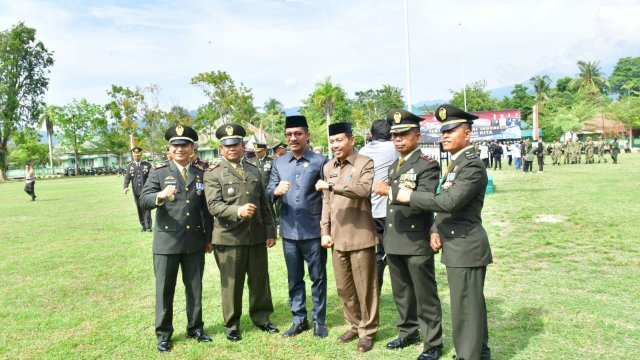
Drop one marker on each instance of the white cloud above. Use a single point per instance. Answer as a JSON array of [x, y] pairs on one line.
[[360, 44]]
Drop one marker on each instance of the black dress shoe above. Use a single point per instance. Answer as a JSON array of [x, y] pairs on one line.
[[233, 335], [319, 330], [200, 335], [268, 327], [143, 229], [296, 329], [400, 343], [431, 354], [164, 346]]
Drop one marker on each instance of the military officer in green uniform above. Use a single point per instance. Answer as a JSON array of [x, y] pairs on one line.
[[566, 150], [409, 256], [243, 230], [176, 190], [279, 149], [615, 150], [458, 231], [262, 161], [136, 174], [588, 151]]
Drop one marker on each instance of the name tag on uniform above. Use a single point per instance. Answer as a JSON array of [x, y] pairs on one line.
[[170, 180], [451, 176]]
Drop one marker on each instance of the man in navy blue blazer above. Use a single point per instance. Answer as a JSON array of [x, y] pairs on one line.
[[292, 181]]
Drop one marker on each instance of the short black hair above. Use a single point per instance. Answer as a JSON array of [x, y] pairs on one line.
[[380, 130]]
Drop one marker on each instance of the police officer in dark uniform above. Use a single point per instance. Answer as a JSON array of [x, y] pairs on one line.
[[176, 190], [262, 161], [136, 174], [409, 256], [243, 230], [458, 231]]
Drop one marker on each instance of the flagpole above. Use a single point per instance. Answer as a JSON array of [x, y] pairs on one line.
[[408, 54]]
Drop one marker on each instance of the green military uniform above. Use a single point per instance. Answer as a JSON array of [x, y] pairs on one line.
[[615, 150], [179, 239], [465, 244], [556, 152], [577, 152], [409, 256], [588, 151], [601, 146], [136, 174], [566, 151], [239, 243]]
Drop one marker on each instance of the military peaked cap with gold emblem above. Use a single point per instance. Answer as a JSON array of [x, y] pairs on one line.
[[136, 150], [181, 134], [259, 145], [230, 134], [340, 128], [450, 117], [402, 120], [279, 144]]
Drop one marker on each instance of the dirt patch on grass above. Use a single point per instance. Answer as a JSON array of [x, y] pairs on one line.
[[549, 218]]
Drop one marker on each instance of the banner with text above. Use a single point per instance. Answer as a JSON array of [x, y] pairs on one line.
[[490, 125]]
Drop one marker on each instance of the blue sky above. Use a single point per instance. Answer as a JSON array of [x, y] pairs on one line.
[[282, 48]]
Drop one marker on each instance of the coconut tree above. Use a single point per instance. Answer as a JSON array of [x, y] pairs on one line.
[[325, 96], [47, 120], [541, 88], [590, 80]]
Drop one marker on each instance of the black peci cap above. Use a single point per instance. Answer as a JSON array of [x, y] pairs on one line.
[[296, 121], [340, 128]]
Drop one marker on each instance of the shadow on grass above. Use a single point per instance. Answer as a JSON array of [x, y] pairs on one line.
[[510, 332]]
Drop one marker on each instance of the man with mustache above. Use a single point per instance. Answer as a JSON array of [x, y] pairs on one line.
[[292, 181], [458, 231], [243, 230]]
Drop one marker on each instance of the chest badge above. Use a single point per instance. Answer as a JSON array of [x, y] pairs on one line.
[[231, 191]]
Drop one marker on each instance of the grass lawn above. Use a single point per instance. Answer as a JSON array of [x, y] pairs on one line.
[[77, 281]]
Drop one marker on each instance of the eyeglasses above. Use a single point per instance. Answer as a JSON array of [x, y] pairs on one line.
[[293, 133]]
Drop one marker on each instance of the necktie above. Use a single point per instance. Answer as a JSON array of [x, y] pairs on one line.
[[400, 163], [449, 168], [184, 174], [240, 170]]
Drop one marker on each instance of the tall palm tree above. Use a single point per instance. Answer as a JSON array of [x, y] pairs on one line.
[[325, 96], [541, 87], [590, 79], [273, 106], [47, 119]]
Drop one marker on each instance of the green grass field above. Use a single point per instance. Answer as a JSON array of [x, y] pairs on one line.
[[77, 280]]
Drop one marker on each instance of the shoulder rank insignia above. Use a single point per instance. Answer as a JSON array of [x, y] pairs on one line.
[[428, 158], [164, 164], [213, 165], [470, 155]]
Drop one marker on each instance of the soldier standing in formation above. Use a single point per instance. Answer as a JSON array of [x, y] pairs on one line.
[[567, 150], [588, 151], [136, 174], [556, 152], [601, 145], [242, 232], [458, 231], [347, 228], [176, 190], [409, 256]]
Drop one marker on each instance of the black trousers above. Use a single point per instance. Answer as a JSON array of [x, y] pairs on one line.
[[510, 157], [540, 163], [144, 216], [29, 188], [380, 254], [528, 166], [165, 268], [497, 163], [415, 292]]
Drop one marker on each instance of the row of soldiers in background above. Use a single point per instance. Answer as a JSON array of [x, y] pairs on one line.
[[570, 152]]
